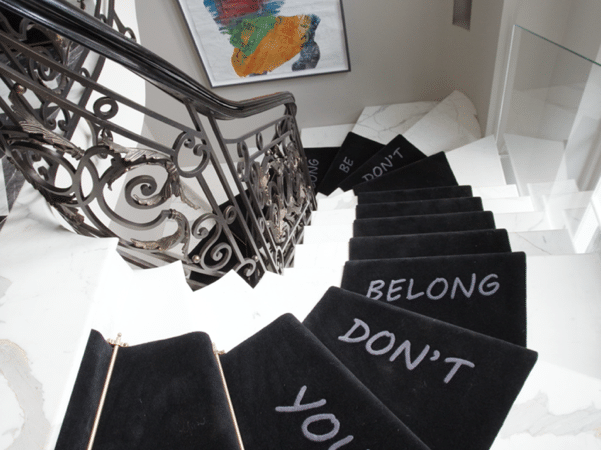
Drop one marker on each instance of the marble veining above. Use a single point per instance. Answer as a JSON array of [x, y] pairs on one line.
[[384, 123], [29, 393], [451, 124], [533, 417]]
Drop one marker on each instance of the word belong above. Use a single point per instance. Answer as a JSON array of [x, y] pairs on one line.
[[389, 340], [313, 167], [436, 290]]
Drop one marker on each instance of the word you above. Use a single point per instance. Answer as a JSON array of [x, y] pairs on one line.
[[298, 406], [436, 290], [383, 167], [388, 339]]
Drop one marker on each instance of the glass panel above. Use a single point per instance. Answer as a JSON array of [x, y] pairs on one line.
[[550, 134]]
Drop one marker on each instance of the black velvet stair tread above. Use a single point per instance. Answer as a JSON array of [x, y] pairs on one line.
[[423, 207], [319, 159], [428, 172], [406, 195], [484, 293], [396, 154], [354, 151], [430, 223], [290, 392], [429, 244], [163, 394], [453, 387]]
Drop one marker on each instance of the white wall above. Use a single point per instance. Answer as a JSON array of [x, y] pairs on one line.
[[468, 57], [400, 51]]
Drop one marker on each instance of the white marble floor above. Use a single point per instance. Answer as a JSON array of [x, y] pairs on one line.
[[44, 325]]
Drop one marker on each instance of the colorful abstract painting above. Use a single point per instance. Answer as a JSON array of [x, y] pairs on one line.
[[241, 41]]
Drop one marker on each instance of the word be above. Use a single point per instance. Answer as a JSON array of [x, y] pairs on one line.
[[313, 166], [383, 167], [298, 407], [346, 165], [436, 290], [405, 347]]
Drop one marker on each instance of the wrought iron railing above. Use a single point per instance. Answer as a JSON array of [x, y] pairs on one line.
[[186, 191]]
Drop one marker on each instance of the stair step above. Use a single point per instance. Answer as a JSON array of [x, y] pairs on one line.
[[564, 311], [384, 123], [478, 163], [535, 160], [503, 191], [497, 206], [588, 231], [328, 136], [323, 255], [554, 399], [524, 221], [541, 243], [442, 129], [508, 205], [555, 205]]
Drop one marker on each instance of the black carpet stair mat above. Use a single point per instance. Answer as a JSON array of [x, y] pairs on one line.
[[162, 394], [417, 207], [428, 172], [452, 387], [396, 154], [354, 151], [431, 223], [319, 160], [406, 195], [429, 244], [290, 392], [485, 293]]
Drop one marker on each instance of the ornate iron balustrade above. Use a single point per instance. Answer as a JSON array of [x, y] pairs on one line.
[[70, 137]]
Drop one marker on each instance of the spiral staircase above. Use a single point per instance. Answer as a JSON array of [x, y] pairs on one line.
[[55, 285]]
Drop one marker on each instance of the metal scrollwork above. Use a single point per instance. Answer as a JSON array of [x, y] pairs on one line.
[[166, 199]]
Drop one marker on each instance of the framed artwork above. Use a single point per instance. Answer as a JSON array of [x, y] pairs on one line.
[[245, 41]]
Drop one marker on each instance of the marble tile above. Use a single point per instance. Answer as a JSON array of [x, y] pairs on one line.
[[347, 200], [508, 205], [45, 316], [505, 191], [525, 221], [449, 125], [557, 409], [588, 230], [564, 311], [13, 180], [477, 164], [534, 160], [323, 234], [295, 292], [226, 311], [572, 217], [3, 193], [317, 256], [333, 217], [330, 136], [542, 243], [384, 123], [538, 190]]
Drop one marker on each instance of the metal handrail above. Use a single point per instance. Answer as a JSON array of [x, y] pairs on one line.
[[267, 189], [75, 25]]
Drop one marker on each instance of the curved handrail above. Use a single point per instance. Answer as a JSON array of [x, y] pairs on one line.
[[72, 23]]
